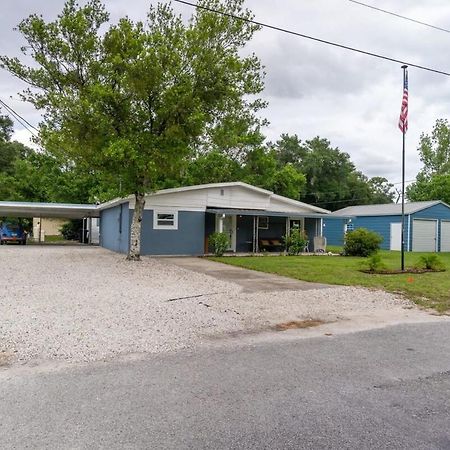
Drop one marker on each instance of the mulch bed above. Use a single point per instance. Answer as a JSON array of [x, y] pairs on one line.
[[400, 272]]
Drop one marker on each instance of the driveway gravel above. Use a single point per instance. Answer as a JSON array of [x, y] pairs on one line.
[[85, 303]]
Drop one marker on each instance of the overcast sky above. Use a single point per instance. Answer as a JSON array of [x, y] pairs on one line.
[[312, 89]]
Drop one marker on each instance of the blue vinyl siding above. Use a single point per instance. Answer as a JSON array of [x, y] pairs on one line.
[[380, 225], [188, 239], [115, 228], [334, 231], [334, 228]]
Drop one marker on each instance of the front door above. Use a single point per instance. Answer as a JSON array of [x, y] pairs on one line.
[[229, 228]]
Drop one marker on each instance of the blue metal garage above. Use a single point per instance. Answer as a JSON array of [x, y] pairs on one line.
[[427, 225]]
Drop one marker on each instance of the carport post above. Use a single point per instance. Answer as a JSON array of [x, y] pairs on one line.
[[82, 231], [90, 231], [40, 229]]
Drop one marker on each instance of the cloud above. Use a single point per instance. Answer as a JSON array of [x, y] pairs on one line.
[[313, 89]]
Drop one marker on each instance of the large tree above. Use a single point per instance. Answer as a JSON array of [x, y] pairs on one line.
[[132, 100], [433, 180]]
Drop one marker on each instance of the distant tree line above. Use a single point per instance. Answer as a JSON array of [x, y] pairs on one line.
[[311, 171]]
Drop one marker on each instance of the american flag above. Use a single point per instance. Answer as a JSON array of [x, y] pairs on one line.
[[403, 121]]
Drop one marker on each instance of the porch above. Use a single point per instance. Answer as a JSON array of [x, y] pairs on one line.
[[253, 231]]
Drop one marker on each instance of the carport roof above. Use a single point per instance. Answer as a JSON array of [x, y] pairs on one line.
[[34, 209]]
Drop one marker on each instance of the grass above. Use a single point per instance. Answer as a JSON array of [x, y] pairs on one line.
[[429, 290]]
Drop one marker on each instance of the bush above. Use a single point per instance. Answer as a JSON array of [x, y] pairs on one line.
[[375, 263], [362, 242], [219, 243], [430, 262], [71, 231], [295, 242]]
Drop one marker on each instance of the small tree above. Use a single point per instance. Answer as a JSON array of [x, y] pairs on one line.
[[362, 242], [219, 243], [131, 101], [295, 241]]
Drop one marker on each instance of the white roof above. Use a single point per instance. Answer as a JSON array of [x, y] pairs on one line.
[[191, 196], [388, 209], [213, 186]]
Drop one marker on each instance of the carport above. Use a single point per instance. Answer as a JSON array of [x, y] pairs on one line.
[[56, 210]]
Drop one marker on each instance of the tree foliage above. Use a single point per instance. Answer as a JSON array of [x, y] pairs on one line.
[[433, 180], [133, 99]]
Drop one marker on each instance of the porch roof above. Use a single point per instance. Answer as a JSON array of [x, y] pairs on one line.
[[262, 212]]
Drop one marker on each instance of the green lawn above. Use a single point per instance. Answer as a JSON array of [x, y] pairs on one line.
[[431, 290]]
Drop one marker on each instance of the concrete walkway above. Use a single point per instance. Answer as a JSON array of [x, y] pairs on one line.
[[250, 280]]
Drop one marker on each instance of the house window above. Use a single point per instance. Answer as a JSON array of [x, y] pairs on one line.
[[263, 223], [165, 220], [349, 227]]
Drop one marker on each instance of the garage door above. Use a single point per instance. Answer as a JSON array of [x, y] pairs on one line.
[[424, 235], [445, 236]]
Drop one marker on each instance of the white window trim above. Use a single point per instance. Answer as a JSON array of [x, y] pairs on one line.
[[156, 226]]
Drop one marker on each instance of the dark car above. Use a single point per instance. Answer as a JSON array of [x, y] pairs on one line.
[[12, 233]]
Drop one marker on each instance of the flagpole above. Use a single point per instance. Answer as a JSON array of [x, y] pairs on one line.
[[403, 184]]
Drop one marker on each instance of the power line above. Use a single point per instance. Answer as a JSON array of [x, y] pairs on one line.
[[400, 16], [20, 119], [18, 115], [312, 38]]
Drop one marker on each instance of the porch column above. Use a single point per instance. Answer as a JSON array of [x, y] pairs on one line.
[[90, 231], [254, 235], [321, 227], [221, 217], [257, 234]]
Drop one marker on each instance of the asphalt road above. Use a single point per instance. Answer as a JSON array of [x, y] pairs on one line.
[[381, 389]]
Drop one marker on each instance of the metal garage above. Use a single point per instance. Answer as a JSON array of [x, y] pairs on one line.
[[424, 235], [426, 227]]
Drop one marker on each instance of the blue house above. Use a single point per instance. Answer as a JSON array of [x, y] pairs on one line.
[[179, 221], [427, 225]]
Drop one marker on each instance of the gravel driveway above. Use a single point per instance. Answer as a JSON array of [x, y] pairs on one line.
[[86, 303]]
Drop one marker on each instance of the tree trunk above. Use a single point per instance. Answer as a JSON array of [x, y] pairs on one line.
[[134, 253]]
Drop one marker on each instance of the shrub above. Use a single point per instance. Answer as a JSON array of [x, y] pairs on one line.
[[71, 230], [430, 262], [219, 243], [362, 242], [375, 263], [295, 242]]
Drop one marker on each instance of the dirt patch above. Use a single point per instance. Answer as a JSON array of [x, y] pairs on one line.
[[297, 324], [5, 358]]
